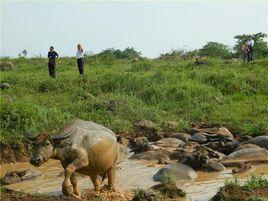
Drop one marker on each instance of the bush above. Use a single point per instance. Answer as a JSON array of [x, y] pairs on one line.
[[214, 49], [141, 67], [6, 66], [256, 181]]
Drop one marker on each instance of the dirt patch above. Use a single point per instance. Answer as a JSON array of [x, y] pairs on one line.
[[169, 190], [237, 193], [14, 153], [107, 196], [10, 195]]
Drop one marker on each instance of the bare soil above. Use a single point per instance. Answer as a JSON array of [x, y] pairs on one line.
[[231, 193], [11, 153], [10, 195]]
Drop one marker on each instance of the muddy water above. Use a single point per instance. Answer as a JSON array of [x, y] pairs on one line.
[[130, 175]]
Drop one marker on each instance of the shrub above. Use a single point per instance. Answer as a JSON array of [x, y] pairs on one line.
[[141, 67]]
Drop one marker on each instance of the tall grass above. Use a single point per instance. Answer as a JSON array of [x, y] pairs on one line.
[[230, 94]]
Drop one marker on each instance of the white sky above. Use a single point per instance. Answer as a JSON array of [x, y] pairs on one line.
[[150, 27]]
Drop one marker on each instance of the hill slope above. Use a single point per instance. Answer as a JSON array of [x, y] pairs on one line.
[[118, 93]]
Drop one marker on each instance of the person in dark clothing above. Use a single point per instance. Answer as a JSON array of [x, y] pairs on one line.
[[52, 55], [80, 59]]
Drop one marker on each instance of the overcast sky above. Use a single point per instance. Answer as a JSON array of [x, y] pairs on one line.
[[150, 27]]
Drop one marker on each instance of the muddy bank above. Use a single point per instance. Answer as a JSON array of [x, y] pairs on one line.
[[230, 193], [11, 153], [11, 195]]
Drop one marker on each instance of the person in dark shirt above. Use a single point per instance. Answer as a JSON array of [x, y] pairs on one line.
[[52, 55]]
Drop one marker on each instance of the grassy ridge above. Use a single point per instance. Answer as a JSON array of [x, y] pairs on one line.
[[232, 94]]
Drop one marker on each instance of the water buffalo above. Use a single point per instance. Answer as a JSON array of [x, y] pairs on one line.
[[81, 146]]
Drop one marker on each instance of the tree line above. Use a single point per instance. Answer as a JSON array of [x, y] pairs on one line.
[[210, 49]]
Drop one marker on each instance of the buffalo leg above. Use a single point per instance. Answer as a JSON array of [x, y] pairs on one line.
[[95, 181], [69, 170], [75, 186], [111, 175]]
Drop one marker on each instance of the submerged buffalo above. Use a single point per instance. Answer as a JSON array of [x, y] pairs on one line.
[[81, 146]]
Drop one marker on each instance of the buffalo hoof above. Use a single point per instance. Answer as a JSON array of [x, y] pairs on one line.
[[76, 196], [111, 188], [97, 189], [67, 189], [77, 193], [108, 188]]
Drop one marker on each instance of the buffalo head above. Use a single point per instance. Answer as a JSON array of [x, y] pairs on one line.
[[45, 147]]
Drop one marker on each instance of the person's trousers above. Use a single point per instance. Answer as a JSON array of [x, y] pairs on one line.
[[250, 53], [80, 64], [246, 57], [52, 69]]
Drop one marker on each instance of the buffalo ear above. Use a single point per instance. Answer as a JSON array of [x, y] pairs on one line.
[[58, 138]]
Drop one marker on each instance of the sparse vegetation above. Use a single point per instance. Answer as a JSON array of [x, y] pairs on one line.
[[254, 189], [256, 181]]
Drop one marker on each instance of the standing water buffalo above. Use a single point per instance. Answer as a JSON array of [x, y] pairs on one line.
[[81, 146]]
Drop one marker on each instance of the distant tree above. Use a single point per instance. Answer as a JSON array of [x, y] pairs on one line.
[[127, 53], [214, 49], [260, 45], [130, 53]]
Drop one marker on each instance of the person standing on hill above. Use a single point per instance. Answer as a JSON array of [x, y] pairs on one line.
[[246, 52], [250, 44], [80, 59], [52, 55]]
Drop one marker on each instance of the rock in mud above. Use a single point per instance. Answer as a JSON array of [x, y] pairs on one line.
[[199, 137], [217, 166], [189, 146], [169, 144], [246, 146], [181, 136], [223, 146], [194, 160], [195, 155], [178, 171], [19, 176], [243, 167], [163, 161], [148, 129], [152, 155], [139, 144], [4, 85], [219, 131], [261, 141], [246, 155]]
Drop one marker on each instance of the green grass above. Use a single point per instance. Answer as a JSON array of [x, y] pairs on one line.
[[251, 185], [230, 94], [256, 181]]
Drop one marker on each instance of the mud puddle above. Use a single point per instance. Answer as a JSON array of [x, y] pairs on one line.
[[130, 175]]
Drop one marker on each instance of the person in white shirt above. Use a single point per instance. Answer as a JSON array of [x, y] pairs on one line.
[[80, 59], [250, 44]]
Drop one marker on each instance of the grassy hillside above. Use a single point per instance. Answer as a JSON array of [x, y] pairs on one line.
[[118, 93]]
